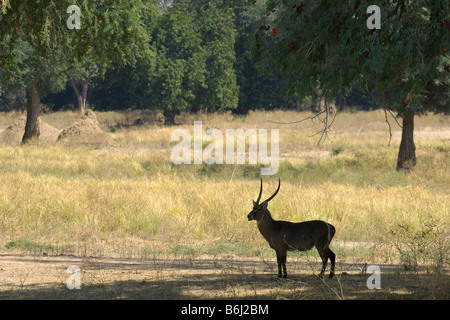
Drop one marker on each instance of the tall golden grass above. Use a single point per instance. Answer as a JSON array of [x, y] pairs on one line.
[[134, 197]]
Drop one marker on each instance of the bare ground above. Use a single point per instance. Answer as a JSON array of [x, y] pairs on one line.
[[204, 277]]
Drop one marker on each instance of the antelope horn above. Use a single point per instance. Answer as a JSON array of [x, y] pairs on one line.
[[279, 183], [260, 193]]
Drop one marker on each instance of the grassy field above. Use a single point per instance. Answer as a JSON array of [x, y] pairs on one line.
[[131, 201]]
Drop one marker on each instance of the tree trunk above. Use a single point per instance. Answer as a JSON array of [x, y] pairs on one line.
[[169, 116], [81, 97], [407, 153], [33, 110], [82, 104], [342, 102], [318, 104]]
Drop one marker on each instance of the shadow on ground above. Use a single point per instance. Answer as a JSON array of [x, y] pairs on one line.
[[46, 277]]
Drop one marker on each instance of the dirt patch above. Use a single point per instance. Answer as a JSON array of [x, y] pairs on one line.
[[86, 131], [203, 277], [13, 134]]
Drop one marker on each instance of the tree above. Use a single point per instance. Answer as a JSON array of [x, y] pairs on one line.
[[82, 76], [256, 90], [194, 42], [328, 45], [110, 31], [178, 75], [204, 61], [14, 89], [128, 86], [215, 23]]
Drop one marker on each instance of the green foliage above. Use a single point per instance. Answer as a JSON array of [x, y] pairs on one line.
[[336, 150], [202, 54], [179, 62], [328, 45], [426, 245], [192, 68], [29, 245], [195, 46], [110, 31], [17, 79], [256, 90]]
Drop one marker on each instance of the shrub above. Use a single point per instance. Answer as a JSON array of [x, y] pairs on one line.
[[427, 245], [336, 150]]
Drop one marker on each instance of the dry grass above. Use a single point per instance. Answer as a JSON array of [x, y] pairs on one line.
[[130, 201]]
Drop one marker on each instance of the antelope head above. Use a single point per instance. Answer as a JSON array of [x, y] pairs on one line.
[[260, 209]]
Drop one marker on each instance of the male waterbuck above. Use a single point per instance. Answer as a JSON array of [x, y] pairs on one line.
[[283, 235]]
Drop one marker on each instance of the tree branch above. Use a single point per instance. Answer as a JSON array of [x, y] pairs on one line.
[[327, 125], [27, 17], [74, 86], [395, 118], [389, 125], [304, 119]]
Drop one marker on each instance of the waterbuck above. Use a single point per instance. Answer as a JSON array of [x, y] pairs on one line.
[[283, 235]]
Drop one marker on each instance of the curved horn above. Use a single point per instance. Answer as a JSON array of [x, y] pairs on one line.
[[279, 183], [260, 193]]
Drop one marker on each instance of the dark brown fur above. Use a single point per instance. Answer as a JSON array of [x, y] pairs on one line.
[[284, 236]]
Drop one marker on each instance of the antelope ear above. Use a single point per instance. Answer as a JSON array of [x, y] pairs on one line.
[[254, 203], [264, 204]]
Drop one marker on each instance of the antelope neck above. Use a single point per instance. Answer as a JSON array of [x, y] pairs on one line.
[[259, 222]]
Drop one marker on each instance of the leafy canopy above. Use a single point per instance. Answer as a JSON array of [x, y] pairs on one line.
[[194, 42], [110, 31], [327, 45]]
